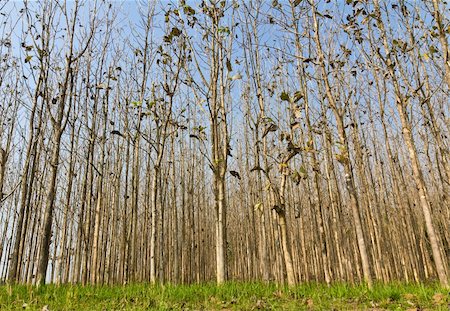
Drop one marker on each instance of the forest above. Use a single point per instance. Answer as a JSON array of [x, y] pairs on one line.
[[184, 142]]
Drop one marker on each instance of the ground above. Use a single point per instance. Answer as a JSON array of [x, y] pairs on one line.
[[231, 296]]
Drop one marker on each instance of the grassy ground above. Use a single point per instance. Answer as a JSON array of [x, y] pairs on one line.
[[231, 296]]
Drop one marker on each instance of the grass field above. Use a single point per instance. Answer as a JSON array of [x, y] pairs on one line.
[[231, 296]]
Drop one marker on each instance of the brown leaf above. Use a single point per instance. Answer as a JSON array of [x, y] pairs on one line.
[[259, 304], [228, 63], [409, 296], [439, 298], [235, 174], [270, 128]]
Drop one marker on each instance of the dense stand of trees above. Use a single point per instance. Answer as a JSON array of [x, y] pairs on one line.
[[285, 141]]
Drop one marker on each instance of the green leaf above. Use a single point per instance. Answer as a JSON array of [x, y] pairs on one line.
[[28, 58], [303, 172], [42, 53], [188, 10], [224, 30], [433, 49], [297, 96], [175, 32], [284, 96], [296, 177], [199, 128], [136, 103], [342, 156], [268, 120], [309, 146]]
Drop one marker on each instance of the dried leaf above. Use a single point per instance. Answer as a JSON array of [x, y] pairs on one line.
[[270, 128], [297, 112], [235, 174], [256, 168], [228, 63], [237, 76], [116, 132], [101, 86], [258, 207], [439, 298], [295, 125]]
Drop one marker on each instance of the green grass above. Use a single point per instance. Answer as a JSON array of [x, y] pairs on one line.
[[231, 296]]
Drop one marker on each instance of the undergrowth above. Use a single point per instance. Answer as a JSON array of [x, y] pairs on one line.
[[230, 296]]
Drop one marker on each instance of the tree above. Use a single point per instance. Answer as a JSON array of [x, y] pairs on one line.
[[344, 156], [215, 88], [401, 104], [59, 122]]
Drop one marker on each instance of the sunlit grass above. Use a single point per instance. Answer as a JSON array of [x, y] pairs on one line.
[[230, 296]]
